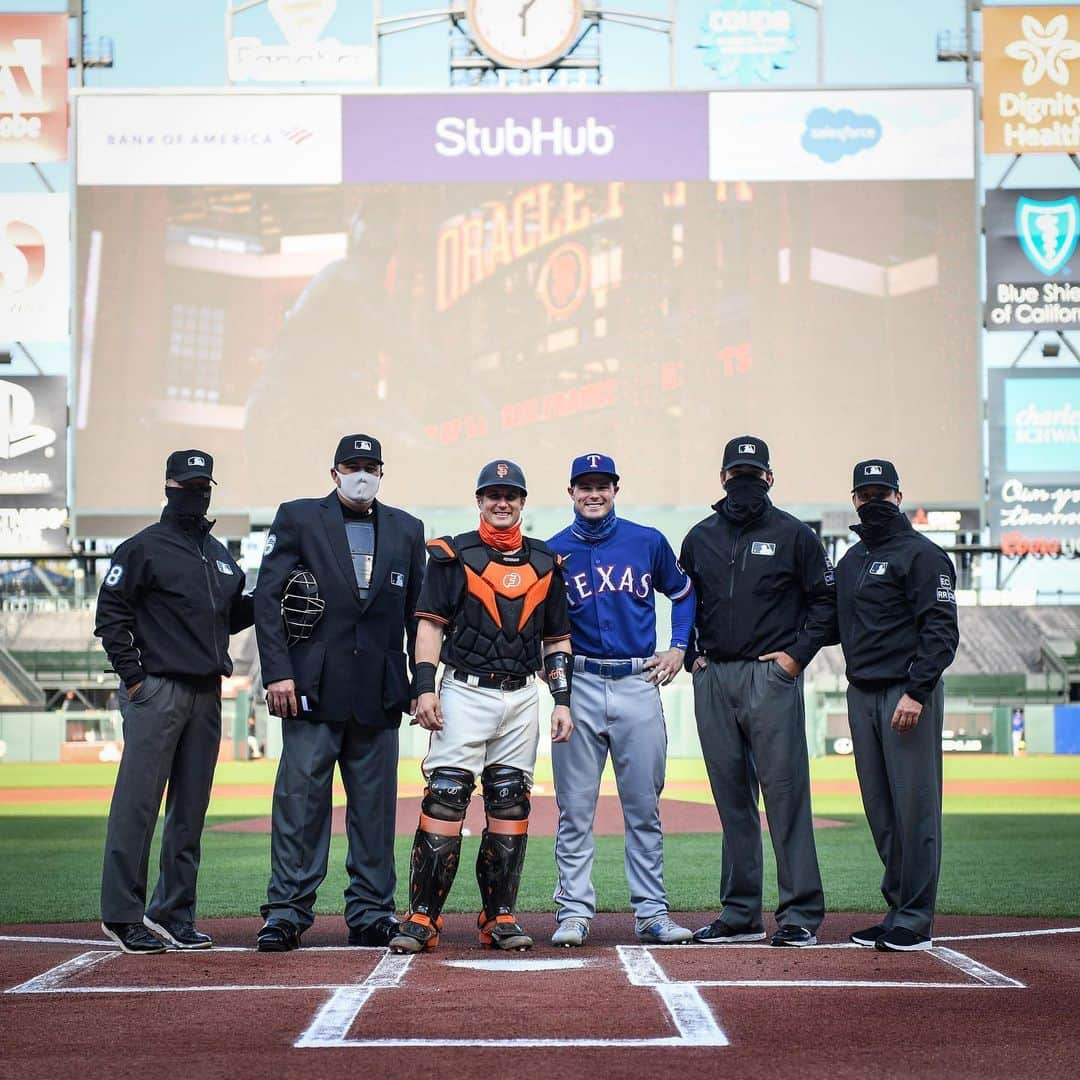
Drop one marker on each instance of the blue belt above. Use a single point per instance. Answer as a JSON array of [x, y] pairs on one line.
[[608, 669]]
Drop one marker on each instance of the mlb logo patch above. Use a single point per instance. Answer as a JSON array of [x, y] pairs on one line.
[[397, 578], [872, 470], [878, 568], [747, 448], [224, 567], [760, 547], [195, 459], [362, 444]]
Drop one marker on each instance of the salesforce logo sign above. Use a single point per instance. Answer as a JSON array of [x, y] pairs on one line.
[[458, 136], [832, 134]]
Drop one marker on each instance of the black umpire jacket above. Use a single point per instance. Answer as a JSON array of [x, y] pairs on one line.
[[896, 611], [171, 598], [763, 586], [354, 663]]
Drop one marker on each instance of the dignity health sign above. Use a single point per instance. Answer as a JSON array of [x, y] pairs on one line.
[[1031, 80]]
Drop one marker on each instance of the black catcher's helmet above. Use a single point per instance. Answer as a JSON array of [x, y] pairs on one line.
[[301, 605]]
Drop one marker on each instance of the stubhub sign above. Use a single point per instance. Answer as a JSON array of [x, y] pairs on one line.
[[581, 136]]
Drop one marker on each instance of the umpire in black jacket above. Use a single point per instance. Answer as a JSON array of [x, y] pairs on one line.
[[896, 612], [765, 601], [341, 693], [172, 596]]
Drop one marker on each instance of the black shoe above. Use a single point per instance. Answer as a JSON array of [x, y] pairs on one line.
[[719, 932], [793, 937], [866, 938], [377, 935], [180, 935], [901, 939], [133, 938], [278, 935]]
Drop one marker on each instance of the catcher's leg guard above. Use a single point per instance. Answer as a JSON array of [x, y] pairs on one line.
[[436, 852], [501, 857]]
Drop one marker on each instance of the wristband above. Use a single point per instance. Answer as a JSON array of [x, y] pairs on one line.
[[424, 679], [559, 668]]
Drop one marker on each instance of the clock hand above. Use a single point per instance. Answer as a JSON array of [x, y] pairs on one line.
[[523, 13]]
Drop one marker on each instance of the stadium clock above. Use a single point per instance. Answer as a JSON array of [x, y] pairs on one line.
[[524, 33]]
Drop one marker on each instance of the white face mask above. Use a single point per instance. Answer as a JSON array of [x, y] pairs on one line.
[[359, 486]]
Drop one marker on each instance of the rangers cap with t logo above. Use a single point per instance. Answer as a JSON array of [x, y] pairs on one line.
[[746, 450], [877, 472], [601, 464], [189, 465]]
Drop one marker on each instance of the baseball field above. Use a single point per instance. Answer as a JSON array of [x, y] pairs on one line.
[[998, 995]]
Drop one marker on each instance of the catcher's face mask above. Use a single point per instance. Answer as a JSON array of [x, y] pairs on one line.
[[301, 605]]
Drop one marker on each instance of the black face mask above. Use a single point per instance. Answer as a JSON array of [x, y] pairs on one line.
[[747, 497], [877, 513], [188, 502]]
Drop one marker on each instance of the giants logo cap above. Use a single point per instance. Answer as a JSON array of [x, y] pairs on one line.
[[502, 472], [595, 462], [876, 471]]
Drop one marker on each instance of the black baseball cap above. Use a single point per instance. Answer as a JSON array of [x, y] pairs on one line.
[[601, 464], [746, 450], [877, 472], [189, 465], [501, 473], [358, 446]]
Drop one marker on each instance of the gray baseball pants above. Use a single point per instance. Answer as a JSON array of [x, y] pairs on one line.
[[302, 817], [624, 718], [172, 734], [750, 720], [900, 780]]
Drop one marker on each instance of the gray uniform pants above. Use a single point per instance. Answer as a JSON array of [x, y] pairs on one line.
[[624, 718], [172, 734], [900, 779], [750, 720], [302, 813]]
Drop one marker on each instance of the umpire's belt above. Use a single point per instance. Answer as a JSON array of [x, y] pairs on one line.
[[609, 669], [493, 680]]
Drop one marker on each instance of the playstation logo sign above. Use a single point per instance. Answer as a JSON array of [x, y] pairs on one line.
[[18, 434]]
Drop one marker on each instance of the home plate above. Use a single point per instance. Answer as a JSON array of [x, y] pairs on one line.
[[516, 965]]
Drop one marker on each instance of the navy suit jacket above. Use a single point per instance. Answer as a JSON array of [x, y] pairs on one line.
[[354, 665]]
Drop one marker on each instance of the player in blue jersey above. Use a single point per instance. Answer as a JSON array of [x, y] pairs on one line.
[[612, 569]]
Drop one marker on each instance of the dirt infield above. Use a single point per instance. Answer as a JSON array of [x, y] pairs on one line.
[[995, 998], [677, 816]]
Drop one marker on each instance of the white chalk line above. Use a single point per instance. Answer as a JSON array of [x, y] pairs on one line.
[[985, 975], [53, 978], [1010, 934], [106, 943], [640, 965], [692, 1016]]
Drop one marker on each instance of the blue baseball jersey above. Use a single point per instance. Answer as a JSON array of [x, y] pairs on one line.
[[611, 588]]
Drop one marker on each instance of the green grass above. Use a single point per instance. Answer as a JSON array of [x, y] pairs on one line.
[[1007, 855]]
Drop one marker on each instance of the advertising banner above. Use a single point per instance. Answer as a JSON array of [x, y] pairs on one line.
[[1032, 267], [33, 88], [34, 267], [209, 139], [1031, 79], [1035, 460], [747, 40], [841, 135], [489, 137], [33, 465]]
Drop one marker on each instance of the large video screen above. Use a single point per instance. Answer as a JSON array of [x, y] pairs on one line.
[[521, 291]]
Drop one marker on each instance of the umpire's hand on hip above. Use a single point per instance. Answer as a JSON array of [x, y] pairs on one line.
[[429, 712], [663, 667], [281, 698], [561, 724]]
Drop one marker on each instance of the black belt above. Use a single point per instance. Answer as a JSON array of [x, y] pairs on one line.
[[608, 669], [493, 680]]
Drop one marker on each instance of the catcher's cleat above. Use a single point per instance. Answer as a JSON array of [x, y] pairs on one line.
[[416, 934], [503, 932]]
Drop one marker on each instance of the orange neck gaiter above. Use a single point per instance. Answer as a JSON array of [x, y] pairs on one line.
[[501, 539]]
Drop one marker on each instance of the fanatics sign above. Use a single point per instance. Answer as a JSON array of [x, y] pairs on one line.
[[33, 88], [1031, 80]]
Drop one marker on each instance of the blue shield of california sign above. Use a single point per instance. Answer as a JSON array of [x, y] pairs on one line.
[[1048, 231]]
